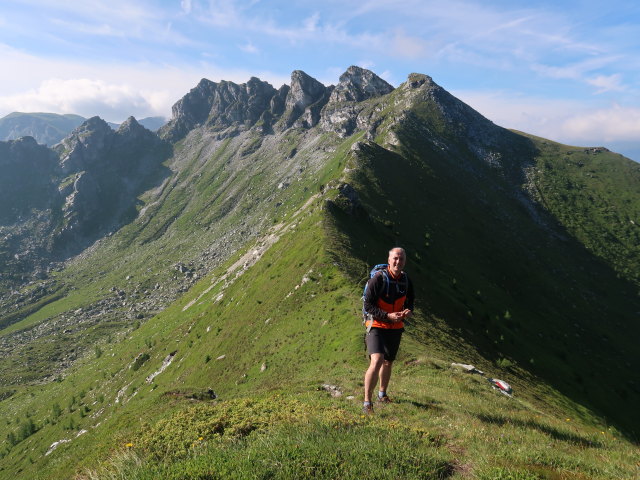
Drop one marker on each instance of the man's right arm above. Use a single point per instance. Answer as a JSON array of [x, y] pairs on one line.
[[374, 288]]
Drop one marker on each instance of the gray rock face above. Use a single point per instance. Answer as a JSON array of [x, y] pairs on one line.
[[237, 104], [26, 169], [305, 92], [190, 111], [82, 148], [358, 84], [28, 196], [278, 101], [219, 105], [107, 169], [344, 113]]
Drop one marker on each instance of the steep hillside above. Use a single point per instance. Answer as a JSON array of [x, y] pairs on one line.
[[25, 198], [270, 335], [501, 267], [272, 208]]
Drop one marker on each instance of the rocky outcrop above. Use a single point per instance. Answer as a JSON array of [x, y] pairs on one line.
[[26, 171], [345, 111], [358, 84], [29, 199], [278, 101], [107, 170], [83, 148], [240, 104], [304, 101], [190, 111], [453, 125], [220, 105], [228, 108]]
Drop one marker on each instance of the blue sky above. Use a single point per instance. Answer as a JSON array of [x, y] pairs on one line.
[[568, 71]]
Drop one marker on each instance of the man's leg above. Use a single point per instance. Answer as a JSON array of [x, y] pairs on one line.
[[385, 375], [372, 373]]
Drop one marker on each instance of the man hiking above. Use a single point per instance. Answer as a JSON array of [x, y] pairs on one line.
[[388, 300]]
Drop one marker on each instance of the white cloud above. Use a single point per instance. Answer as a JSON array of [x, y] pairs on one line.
[[98, 29], [248, 48], [99, 88], [223, 13], [576, 70], [611, 124], [186, 6], [563, 121], [114, 11], [85, 97], [407, 46], [311, 24], [607, 83]]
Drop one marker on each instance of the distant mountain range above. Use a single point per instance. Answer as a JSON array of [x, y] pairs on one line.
[[51, 128]]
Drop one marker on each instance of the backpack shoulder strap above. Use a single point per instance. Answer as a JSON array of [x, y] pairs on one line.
[[387, 282]]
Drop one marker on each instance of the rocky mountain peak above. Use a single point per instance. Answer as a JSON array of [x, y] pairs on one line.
[[445, 115], [219, 104], [240, 104], [133, 136], [130, 129], [305, 99], [278, 101], [129, 125], [304, 91], [94, 124], [22, 143], [189, 111], [358, 84], [84, 146], [415, 80]]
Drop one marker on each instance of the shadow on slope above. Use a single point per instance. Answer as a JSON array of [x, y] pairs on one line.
[[504, 276]]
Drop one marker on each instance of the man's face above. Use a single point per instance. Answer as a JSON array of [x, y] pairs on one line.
[[396, 261]]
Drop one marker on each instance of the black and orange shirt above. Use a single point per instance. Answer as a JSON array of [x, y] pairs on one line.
[[385, 296]]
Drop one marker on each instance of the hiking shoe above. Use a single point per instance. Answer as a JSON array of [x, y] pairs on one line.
[[384, 399], [367, 409]]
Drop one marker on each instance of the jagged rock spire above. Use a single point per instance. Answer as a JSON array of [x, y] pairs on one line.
[[305, 99], [304, 91], [219, 104], [358, 84]]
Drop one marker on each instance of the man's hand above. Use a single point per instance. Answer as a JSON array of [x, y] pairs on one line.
[[398, 316]]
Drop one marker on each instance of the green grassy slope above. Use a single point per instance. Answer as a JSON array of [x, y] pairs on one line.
[[266, 340], [217, 199], [594, 194]]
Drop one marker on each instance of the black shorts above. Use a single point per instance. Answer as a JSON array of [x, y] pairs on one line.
[[384, 340]]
